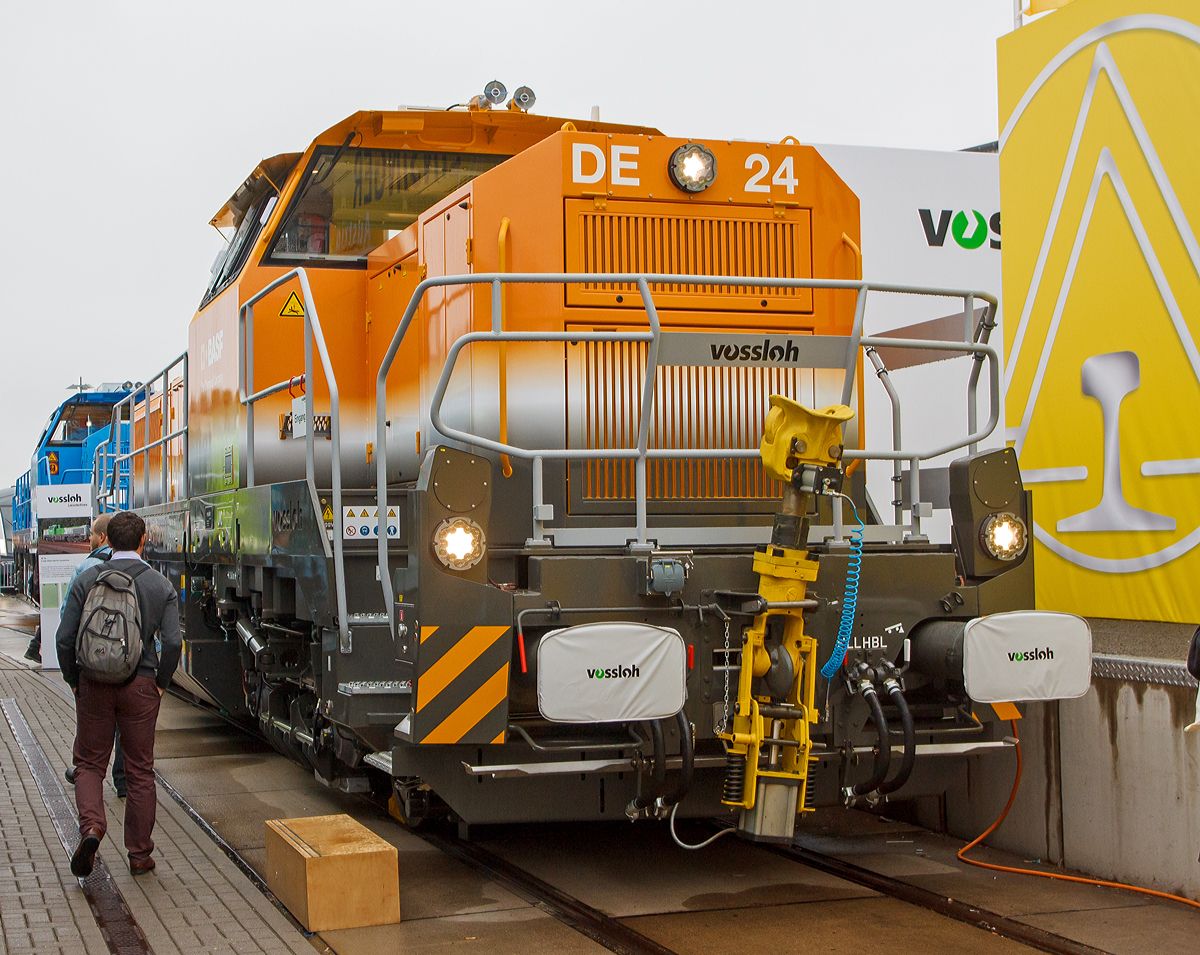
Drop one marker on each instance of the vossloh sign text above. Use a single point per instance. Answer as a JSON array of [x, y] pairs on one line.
[[794, 351]]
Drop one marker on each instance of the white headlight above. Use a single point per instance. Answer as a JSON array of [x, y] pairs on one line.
[[693, 168], [459, 543], [1004, 536]]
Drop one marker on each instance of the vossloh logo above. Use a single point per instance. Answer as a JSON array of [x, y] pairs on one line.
[[614, 673], [65, 499], [768, 351], [1029, 656]]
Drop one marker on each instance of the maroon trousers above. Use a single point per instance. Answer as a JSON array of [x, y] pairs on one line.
[[101, 709]]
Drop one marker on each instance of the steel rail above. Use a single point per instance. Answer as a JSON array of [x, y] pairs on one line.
[[600, 928], [956, 909]]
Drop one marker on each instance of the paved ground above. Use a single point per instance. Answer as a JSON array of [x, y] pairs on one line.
[[732, 895], [195, 901]]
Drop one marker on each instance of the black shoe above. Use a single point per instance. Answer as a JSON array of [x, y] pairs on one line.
[[81, 861], [33, 654], [122, 792], [70, 775]]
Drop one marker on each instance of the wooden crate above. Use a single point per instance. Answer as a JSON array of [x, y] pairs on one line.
[[332, 872]]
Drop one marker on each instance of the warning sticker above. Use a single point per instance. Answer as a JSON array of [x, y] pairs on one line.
[[328, 513], [362, 522], [293, 307]]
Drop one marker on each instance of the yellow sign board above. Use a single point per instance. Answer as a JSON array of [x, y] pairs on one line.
[[293, 307], [1100, 129], [1041, 6]]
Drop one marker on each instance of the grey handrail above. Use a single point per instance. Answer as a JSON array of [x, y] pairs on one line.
[[641, 452], [110, 450], [247, 396]]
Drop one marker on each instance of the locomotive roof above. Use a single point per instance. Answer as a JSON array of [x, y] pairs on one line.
[[458, 130]]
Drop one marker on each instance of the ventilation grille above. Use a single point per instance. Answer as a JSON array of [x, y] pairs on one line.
[[695, 407], [627, 238]]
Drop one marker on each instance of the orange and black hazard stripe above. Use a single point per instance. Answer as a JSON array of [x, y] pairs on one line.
[[462, 684]]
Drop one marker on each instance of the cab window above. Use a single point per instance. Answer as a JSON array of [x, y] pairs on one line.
[[353, 200], [230, 261], [79, 422]]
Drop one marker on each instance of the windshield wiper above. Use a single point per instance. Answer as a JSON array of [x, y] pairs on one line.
[[336, 156]]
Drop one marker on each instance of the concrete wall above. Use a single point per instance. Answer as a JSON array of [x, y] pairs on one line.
[[1110, 784], [1131, 785]]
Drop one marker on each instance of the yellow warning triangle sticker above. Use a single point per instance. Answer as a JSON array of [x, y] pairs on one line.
[[328, 515], [391, 512], [292, 308], [364, 513]]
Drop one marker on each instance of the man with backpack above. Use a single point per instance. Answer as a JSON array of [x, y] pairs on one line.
[[106, 649], [101, 551]]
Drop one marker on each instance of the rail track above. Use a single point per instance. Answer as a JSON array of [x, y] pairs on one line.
[[612, 933]]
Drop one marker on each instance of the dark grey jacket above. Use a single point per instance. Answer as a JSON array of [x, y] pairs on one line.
[[159, 605]]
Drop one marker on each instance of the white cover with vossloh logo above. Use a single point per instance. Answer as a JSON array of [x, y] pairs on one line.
[[611, 672], [1026, 655]]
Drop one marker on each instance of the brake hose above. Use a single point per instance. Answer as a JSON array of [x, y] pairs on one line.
[[687, 755], [910, 740], [883, 754], [849, 598], [658, 778]]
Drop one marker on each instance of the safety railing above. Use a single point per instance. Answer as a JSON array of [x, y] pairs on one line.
[[248, 397], [116, 454], [106, 458], [817, 351], [22, 506], [8, 574]]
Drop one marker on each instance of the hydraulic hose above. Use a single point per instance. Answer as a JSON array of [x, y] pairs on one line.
[[883, 754], [688, 755], [658, 778], [910, 741], [849, 597]]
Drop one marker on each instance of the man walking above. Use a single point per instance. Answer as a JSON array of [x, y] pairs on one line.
[[101, 551], [131, 706]]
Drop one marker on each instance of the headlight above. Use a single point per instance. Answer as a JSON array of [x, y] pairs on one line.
[[1004, 536], [459, 543], [693, 168]]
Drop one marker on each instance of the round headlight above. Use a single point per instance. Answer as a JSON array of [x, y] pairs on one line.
[[1004, 536], [459, 543], [693, 168]]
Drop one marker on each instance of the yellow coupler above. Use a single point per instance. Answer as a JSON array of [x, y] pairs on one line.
[[793, 436], [332, 872]]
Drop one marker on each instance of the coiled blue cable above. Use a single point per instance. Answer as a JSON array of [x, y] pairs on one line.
[[849, 599]]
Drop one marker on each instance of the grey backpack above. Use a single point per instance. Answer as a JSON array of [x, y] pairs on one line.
[[108, 647]]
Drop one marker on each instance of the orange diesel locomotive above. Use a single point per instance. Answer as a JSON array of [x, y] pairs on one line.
[[496, 485]]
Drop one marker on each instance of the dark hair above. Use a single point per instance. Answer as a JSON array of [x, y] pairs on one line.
[[125, 531]]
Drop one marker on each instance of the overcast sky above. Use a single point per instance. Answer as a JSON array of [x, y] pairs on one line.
[[127, 125]]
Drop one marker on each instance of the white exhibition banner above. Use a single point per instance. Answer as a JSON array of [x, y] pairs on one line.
[[931, 219], [64, 526]]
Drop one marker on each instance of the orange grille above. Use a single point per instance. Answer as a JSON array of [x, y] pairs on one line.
[[626, 238], [695, 407]]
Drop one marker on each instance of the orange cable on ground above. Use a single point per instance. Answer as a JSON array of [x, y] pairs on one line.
[[962, 853]]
